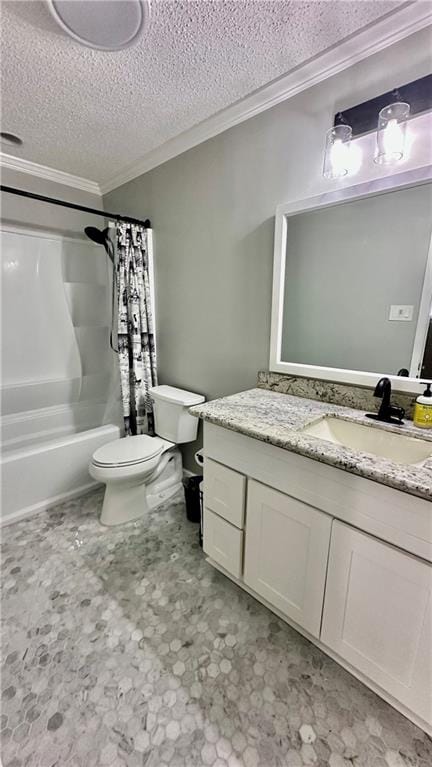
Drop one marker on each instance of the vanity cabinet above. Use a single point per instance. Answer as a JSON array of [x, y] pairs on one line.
[[346, 561], [286, 552], [377, 615]]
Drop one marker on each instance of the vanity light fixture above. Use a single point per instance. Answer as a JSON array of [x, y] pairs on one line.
[[337, 151], [391, 132], [392, 110]]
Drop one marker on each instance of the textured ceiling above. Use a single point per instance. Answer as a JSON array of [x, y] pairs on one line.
[[91, 113]]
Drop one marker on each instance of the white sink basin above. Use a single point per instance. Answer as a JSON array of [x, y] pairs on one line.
[[395, 447]]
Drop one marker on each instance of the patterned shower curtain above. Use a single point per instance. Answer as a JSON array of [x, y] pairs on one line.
[[136, 342]]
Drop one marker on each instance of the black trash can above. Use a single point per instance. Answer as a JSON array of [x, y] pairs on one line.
[[192, 498]]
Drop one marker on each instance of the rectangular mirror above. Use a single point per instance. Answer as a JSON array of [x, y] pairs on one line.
[[352, 293]]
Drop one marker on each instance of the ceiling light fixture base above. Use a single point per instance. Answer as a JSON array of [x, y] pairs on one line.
[[102, 24]]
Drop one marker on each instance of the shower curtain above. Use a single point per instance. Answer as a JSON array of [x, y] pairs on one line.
[[135, 330]]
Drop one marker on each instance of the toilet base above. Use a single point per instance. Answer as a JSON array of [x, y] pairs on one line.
[[123, 503], [131, 500]]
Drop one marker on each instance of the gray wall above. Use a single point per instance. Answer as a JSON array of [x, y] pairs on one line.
[[40, 215], [345, 266], [212, 209]]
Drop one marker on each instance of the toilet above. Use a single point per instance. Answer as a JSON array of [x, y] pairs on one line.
[[141, 471]]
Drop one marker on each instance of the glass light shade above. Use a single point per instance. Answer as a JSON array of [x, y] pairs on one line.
[[391, 133], [337, 151]]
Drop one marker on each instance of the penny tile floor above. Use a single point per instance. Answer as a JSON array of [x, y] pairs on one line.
[[123, 647]]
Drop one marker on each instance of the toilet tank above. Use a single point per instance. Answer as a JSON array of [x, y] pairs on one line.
[[171, 412]]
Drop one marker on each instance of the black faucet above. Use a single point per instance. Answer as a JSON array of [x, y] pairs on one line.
[[387, 412]]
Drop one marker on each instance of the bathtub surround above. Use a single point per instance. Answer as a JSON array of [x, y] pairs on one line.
[[213, 209], [56, 367], [129, 649], [73, 296], [346, 395], [71, 304], [61, 330], [59, 391]]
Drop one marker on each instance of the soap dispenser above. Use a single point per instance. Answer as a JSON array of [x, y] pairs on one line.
[[423, 409]]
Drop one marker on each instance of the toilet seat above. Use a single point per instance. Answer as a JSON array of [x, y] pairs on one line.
[[130, 451]]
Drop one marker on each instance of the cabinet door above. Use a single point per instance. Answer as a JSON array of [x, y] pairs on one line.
[[286, 553], [377, 615]]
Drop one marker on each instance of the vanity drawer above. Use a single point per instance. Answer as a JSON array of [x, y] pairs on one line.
[[224, 492], [223, 543]]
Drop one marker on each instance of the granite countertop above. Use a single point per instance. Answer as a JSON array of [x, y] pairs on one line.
[[278, 419]]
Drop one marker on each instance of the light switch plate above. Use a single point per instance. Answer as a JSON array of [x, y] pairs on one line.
[[401, 312]]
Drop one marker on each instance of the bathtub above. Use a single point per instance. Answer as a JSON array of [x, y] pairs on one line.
[[45, 455]]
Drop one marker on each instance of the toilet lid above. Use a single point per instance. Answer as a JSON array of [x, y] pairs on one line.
[[129, 451]]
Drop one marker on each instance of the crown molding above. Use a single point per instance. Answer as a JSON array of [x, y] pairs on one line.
[[397, 25], [10, 162]]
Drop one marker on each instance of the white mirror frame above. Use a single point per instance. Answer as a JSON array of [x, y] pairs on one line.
[[340, 375]]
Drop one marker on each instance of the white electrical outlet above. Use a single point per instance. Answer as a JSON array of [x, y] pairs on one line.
[[401, 312]]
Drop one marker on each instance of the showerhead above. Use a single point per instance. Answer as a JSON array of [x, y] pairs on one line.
[[100, 237], [97, 235]]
